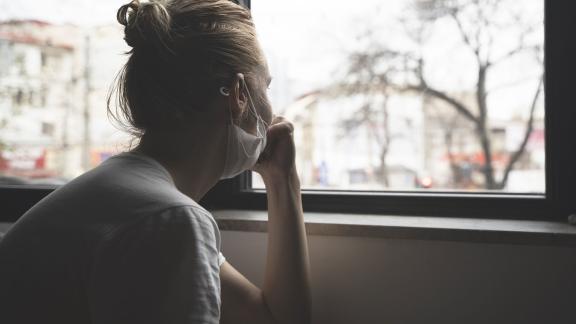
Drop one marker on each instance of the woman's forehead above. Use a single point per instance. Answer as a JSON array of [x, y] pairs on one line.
[[264, 74]]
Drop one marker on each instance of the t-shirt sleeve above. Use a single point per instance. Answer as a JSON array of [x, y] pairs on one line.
[[163, 269], [221, 258]]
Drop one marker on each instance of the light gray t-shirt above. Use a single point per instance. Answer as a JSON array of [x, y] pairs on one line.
[[118, 244]]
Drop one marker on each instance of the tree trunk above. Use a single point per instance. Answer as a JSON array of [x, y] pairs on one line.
[[386, 143], [384, 167], [483, 130]]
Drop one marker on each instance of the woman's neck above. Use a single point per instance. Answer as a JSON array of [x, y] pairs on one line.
[[194, 158]]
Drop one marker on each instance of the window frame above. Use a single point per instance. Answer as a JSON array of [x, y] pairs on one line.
[[556, 204]]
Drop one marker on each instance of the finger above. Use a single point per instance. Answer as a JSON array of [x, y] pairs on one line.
[[284, 127], [277, 119]]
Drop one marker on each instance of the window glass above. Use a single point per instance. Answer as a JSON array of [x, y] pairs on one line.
[[408, 94], [385, 95]]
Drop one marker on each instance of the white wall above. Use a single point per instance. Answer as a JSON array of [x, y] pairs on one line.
[[373, 280]]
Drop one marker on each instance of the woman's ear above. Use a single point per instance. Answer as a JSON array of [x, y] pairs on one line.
[[239, 100]]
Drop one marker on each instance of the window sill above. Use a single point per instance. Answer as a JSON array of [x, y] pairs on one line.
[[412, 227]]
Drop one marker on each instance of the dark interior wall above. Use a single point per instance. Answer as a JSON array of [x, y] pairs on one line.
[[4, 227], [360, 280], [373, 280]]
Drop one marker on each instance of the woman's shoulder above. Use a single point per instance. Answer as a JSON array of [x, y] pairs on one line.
[[173, 222], [178, 229], [189, 214], [130, 184]]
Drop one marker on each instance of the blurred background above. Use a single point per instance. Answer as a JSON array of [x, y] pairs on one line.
[[397, 95]]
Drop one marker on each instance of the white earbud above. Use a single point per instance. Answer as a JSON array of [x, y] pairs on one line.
[[224, 91]]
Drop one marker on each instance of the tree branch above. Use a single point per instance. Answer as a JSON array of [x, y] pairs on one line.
[[511, 53], [474, 47], [459, 106], [529, 127]]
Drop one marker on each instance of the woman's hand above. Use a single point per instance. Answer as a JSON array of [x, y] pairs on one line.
[[286, 286], [277, 161]]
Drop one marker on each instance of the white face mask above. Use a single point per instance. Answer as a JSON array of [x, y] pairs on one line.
[[243, 148]]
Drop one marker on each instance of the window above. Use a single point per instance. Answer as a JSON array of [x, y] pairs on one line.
[[396, 83], [421, 107]]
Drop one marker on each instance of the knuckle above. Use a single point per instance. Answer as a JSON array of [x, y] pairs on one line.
[[288, 127], [279, 119]]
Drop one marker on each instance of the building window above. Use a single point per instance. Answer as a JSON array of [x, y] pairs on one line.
[[47, 128]]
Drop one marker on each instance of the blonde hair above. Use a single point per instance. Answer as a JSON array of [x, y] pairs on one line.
[[182, 51]]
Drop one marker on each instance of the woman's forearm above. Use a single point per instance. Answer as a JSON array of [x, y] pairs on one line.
[[286, 286]]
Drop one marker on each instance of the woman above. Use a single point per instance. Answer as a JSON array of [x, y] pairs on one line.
[[127, 242]]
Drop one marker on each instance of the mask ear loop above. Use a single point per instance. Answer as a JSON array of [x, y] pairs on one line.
[[232, 121], [226, 92], [254, 112]]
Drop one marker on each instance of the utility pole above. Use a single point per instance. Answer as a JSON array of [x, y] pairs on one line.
[[65, 141], [86, 114]]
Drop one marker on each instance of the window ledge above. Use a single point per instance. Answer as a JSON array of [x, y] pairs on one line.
[[412, 227]]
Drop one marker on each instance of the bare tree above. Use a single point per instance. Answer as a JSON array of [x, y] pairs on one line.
[[384, 69], [375, 118], [364, 79]]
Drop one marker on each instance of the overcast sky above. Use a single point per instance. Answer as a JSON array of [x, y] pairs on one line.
[[307, 39], [79, 12]]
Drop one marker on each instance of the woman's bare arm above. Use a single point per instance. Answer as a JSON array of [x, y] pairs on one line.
[[285, 295], [242, 301], [287, 280]]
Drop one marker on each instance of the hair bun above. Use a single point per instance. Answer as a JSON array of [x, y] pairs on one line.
[[146, 25]]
